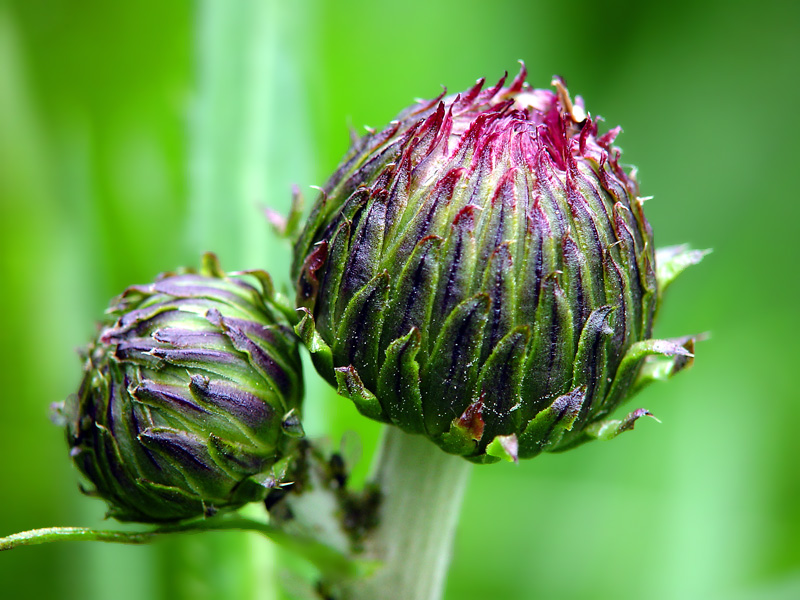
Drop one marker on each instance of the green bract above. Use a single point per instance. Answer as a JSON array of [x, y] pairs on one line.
[[481, 272], [189, 398]]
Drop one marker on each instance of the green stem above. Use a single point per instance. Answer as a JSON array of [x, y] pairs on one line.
[[248, 128], [69, 534], [422, 489], [331, 562], [227, 141]]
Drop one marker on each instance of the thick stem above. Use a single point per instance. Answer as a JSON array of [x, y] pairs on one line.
[[422, 489]]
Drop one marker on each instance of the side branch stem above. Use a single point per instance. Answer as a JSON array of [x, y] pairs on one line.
[[328, 560], [67, 534], [72, 534]]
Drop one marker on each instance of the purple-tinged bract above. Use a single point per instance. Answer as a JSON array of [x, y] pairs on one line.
[[190, 397], [481, 272]]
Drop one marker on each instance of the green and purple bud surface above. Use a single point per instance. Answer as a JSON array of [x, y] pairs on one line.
[[481, 272], [190, 397]]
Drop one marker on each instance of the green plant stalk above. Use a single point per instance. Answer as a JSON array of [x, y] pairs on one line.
[[227, 139], [247, 133], [328, 560], [248, 130], [422, 490], [47, 535]]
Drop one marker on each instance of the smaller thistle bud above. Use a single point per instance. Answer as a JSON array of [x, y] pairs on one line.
[[190, 398]]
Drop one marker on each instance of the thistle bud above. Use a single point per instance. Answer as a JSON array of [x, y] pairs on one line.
[[189, 399], [481, 272]]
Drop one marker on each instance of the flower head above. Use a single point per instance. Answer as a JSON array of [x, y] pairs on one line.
[[189, 397], [481, 272]]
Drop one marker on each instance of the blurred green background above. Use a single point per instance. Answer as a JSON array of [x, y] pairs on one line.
[[133, 136]]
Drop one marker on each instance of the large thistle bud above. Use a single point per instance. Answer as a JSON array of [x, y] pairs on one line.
[[481, 272], [189, 399]]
